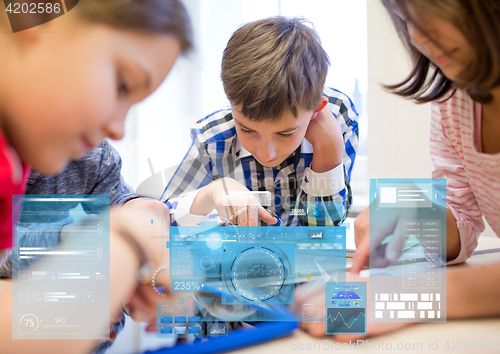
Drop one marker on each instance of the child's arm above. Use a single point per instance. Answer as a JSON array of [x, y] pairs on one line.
[[468, 284], [460, 199], [325, 190], [193, 173], [124, 265], [464, 220], [196, 189], [465, 285], [325, 136], [241, 208]]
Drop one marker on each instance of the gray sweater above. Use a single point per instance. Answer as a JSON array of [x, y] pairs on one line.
[[96, 172]]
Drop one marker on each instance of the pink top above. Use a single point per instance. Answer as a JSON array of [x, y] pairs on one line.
[[13, 178], [473, 176], [478, 116]]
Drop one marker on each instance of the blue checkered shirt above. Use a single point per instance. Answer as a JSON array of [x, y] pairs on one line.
[[215, 152]]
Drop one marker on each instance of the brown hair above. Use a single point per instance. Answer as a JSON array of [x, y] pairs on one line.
[[479, 22], [150, 16], [274, 65]]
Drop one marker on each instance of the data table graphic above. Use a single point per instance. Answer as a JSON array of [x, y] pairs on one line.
[[59, 292], [413, 287]]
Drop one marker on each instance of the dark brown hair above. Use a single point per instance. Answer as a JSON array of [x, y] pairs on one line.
[[478, 20], [149, 16], [274, 65]]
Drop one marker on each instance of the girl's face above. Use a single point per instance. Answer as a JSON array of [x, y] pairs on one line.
[[442, 43], [68, 85]]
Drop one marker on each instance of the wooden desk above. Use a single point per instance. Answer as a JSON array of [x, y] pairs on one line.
[[417, 338]]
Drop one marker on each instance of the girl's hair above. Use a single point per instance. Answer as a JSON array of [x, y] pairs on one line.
[[154, 16], [149, 16], [479, 22]]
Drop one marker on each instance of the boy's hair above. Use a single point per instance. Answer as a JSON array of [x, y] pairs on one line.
[[272, 66], [478, 20], [168, 17]]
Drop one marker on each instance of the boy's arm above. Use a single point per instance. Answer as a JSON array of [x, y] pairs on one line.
[[193, 173], [325, 136], [325, 190]]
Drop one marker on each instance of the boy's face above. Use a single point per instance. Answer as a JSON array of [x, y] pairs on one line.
[[72, 85], [272, 142]]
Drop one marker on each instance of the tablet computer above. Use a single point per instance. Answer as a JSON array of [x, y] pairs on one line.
[[279, 322]]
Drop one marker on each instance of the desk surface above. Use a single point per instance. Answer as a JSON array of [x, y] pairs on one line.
[[467, 333], [461, 336], [416, 339]]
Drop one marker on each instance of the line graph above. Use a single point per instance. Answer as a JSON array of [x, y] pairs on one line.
[[341, 320]]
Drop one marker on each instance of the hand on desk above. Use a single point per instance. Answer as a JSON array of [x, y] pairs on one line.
[[141, 306], [370, 248]]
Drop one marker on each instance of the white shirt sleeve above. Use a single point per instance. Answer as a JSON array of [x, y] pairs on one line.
[[182, 215], [323, 184]]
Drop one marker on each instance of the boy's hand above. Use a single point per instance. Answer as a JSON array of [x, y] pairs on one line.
[[241, 209], [325, 135]]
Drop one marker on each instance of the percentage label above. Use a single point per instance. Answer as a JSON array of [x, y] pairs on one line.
[[185, 285]]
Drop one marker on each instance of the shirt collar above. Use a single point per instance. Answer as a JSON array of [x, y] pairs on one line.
[[241, 152]]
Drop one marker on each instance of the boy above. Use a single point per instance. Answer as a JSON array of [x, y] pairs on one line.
[[285, 134]]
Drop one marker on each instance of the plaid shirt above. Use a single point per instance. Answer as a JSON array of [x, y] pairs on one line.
[[216, 152]]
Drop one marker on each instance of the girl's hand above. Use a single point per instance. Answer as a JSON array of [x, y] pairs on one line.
[[370, 247]]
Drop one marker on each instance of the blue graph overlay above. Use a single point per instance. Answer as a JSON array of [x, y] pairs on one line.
[[235, 272], [345, 304]]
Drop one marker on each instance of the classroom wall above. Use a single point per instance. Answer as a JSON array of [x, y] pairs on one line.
[[398, 130]]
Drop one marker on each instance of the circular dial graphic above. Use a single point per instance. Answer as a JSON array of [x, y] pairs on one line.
[[257, 274], [28, 323], [159, 281]]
